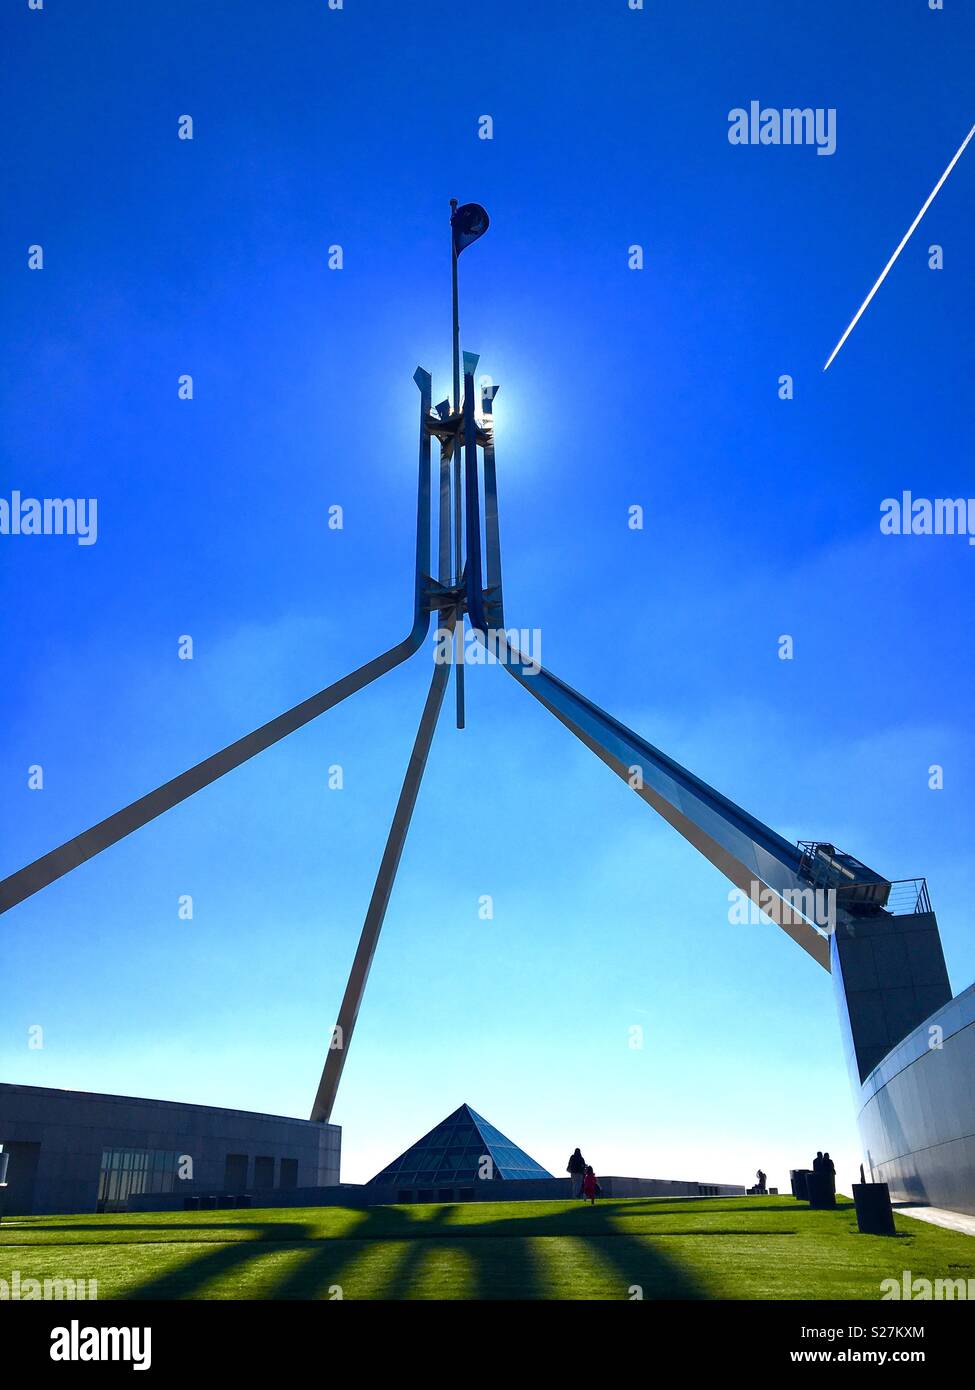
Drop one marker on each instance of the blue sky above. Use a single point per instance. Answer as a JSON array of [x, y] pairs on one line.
[[658, 387]]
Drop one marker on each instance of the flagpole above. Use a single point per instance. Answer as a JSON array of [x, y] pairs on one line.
[[453, 266], [459, 658]]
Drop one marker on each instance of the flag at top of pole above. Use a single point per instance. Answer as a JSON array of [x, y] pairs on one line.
[[468, 223]]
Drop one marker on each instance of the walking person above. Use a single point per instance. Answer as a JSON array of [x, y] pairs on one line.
[[590, 1186], [576, 1169]]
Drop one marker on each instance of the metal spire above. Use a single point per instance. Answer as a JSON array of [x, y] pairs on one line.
[[757, 860]]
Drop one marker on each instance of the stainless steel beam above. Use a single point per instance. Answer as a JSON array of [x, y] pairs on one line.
[[742, 856], [74, 852], [757, 860], [369, 937]]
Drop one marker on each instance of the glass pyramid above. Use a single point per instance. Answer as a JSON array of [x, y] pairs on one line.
[[454, 1152]]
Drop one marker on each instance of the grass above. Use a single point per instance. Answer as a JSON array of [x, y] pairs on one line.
[[724, 1248]]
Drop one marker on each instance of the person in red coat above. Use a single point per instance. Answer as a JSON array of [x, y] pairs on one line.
[[590, 1186]]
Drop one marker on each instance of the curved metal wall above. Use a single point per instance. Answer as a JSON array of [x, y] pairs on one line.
[[917, 1111]]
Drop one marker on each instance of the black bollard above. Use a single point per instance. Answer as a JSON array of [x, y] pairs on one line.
[[799, 1177], [874, 1214], [820, 1192]]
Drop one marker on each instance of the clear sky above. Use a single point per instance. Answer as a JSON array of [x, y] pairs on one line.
[[657, 387]]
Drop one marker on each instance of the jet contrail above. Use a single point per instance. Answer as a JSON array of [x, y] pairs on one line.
[[907, 236]]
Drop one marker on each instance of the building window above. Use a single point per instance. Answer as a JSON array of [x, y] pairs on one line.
[[288, 1176], [235, 1173], [263, 1172], [126, 1173]]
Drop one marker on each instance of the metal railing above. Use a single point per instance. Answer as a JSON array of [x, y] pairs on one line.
[[908, 896]]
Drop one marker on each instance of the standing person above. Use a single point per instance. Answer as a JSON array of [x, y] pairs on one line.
[[576, 1168], [761, 1180], [590, 1186], [818, 1162], [828, 1171]]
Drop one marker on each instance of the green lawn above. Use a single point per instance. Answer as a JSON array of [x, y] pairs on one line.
[[732, 1247]]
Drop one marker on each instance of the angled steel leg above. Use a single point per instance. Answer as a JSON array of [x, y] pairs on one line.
[[72, 853], [757, 860], [349, 1012], [75, 852]]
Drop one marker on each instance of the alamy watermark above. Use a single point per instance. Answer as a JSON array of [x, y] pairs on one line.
[[50, 516], [909, 1288], [77, 1343], [817, 905], [497, 646], [793, 125], [908, 515], [19, 1290]]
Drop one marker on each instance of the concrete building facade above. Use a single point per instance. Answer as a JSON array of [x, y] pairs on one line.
[[76, 1151]]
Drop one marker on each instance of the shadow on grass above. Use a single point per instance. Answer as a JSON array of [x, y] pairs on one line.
[[500, 1257], [223, 1258], [400, 1253]]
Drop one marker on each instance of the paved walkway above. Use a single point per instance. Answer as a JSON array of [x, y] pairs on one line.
[[953, 1220]]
